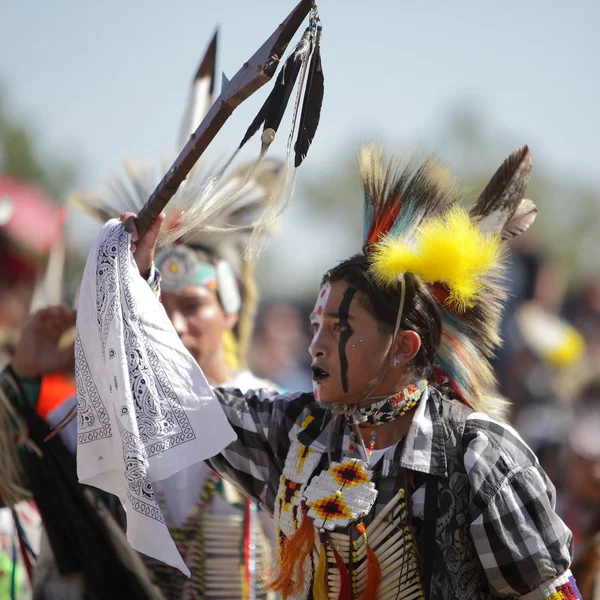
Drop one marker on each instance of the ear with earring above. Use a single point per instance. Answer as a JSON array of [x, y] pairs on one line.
[[395, 362]]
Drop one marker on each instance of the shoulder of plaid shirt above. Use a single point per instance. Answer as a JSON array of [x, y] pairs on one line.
[[524, 547]]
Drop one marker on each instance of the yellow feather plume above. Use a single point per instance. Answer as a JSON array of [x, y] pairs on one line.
[[450, 249]]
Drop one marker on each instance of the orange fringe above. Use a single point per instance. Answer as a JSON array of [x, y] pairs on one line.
[[373, 576], [373, 568], [296, 548]]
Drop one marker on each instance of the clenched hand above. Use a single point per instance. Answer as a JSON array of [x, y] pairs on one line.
[[39, 351]]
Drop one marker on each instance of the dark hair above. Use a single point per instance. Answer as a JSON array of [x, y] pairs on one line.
[[421, 311]]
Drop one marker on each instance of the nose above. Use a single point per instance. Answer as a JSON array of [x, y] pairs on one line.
[[317, 348], [178, 321]]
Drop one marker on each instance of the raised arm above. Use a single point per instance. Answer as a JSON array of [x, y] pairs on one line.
[[38, 353], [263, 422]]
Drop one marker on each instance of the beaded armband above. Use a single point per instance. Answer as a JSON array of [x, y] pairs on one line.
[[154, 282]]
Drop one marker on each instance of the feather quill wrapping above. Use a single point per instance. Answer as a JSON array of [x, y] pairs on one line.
[[272, 111], [311, 108]]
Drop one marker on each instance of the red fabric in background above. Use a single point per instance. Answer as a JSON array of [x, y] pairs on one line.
[[55, 390], [34, 222]]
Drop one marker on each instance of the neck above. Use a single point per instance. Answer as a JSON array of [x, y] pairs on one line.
[[217, 371], [391, 384], [387, 435], [388, 418]]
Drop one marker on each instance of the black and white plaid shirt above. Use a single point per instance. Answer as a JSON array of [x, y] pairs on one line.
[[498, 534]]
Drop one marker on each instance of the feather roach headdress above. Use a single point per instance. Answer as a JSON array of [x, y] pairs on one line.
[[415, 223]]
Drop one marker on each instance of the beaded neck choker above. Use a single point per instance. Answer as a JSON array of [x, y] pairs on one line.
[[388, 409]]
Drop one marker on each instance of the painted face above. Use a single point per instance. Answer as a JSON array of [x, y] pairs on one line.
[[348, 350], [199, 320]]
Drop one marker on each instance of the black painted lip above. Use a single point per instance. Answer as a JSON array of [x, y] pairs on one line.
[[319, 374]]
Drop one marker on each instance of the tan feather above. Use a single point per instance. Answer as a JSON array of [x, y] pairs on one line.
[[521, 220]]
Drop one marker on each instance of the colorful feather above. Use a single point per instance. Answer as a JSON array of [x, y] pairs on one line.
[[345, 586], [413, 225], [448, 249], [319, 590], [296, 549], [400, 196], [373, 568]]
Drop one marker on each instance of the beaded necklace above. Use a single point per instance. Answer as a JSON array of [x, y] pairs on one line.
[[390, 408], [379, 413]]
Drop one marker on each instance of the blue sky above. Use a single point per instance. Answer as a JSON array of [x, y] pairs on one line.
[[107, 80]]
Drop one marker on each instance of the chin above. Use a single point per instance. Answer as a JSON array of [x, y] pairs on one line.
[[329, 400]]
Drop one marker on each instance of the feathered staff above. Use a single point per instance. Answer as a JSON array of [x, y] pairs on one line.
[[221, 211], [253, 74], [270, 115]]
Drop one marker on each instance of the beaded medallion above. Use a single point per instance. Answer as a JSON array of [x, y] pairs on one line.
[[340, 495]]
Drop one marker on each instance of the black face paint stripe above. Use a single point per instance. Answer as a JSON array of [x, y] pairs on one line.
[[345, 335]]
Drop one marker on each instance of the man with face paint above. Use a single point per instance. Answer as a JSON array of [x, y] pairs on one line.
[[398, 478]]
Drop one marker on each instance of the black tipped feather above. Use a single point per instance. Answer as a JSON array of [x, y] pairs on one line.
[[311, 108], [208, 64], [272, 111]]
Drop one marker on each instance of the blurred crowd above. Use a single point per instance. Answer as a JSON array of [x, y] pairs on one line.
[[548, 366]]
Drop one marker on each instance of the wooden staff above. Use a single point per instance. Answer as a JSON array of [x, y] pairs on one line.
[[253, 74]]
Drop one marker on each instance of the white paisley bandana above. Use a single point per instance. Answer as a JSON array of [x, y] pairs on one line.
[[144, 408]]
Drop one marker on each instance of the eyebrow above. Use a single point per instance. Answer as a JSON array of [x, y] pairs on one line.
[[331, 315], [193, 296]]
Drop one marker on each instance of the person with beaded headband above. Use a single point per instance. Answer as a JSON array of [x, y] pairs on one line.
[[211, 305], [210, 296], [397, 477]]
